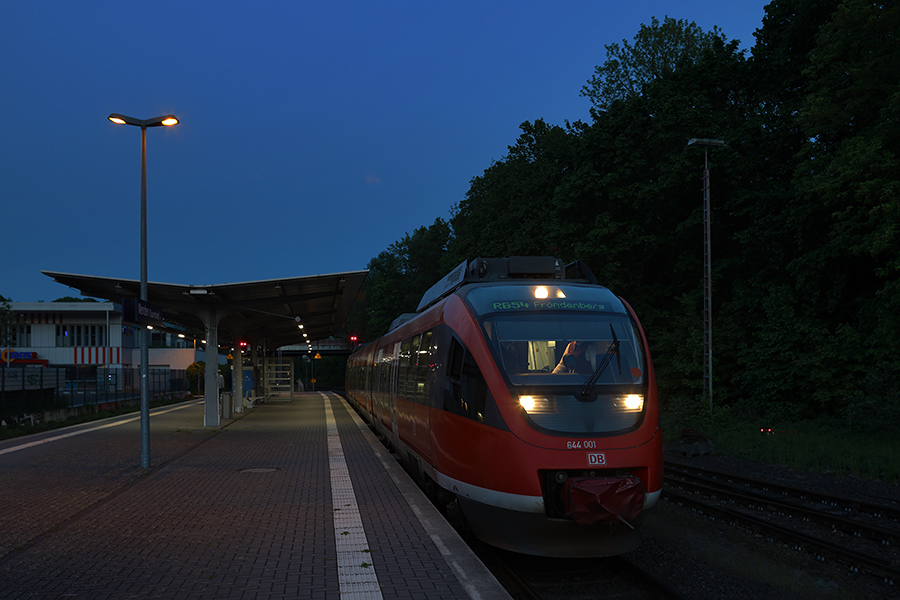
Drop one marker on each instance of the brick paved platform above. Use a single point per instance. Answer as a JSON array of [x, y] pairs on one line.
[[291, 500]]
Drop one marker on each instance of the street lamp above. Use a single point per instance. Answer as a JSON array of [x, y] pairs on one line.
[[165, 120], [706, 144]]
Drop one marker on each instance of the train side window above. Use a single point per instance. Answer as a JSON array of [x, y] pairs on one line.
[[453, 399], [474, 387], [456, 359]]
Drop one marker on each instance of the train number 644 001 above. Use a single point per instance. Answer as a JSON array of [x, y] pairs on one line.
[[581, 444]]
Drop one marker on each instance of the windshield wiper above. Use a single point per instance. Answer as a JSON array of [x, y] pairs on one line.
[[601, 366]]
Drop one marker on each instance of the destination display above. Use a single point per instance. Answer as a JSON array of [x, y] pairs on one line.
[[573, 297]]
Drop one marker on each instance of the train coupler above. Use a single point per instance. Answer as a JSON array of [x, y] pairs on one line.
[[588, 500]]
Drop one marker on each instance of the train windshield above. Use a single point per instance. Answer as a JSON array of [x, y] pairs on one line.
[[567, 349]]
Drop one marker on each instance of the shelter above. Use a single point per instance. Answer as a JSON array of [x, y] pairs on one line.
[[265, 314]]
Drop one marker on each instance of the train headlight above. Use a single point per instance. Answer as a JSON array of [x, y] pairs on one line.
[[537, 404], [631, 402]]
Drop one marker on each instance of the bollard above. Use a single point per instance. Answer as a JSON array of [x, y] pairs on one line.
[[226, 405]]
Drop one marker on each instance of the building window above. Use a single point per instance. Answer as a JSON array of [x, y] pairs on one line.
[[65, 336], [23, 336], [78, 336]]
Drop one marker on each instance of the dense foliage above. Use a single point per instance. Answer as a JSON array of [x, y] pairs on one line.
[[805, 196]]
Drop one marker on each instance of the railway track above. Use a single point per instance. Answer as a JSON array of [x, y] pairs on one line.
[[862, 535]]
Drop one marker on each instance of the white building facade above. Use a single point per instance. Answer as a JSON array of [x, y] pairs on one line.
[[65, 334]]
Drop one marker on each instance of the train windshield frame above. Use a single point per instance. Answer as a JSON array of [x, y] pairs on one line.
[[547, 355]]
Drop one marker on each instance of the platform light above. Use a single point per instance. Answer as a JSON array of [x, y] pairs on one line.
[[706, 144], [165, 120]]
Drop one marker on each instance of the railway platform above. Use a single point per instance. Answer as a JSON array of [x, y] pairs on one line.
[[288, 500]]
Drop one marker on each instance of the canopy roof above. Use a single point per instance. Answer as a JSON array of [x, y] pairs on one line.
[[264, 311]]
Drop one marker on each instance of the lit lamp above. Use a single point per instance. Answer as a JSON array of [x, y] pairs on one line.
[[165, 120]]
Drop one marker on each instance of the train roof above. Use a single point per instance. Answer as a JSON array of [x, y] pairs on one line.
[[482, 270]]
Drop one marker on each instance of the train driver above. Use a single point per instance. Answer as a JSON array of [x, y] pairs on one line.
[[578, 357]]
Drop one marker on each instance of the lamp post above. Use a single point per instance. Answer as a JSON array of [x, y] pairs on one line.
[[165, 120], [706, 144]]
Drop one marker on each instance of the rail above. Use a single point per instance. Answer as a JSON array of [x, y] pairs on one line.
[[861, 535]]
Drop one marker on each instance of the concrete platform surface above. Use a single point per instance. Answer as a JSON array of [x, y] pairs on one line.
[[289, 500]]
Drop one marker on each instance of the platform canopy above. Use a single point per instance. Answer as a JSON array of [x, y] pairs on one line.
[[264, 311]]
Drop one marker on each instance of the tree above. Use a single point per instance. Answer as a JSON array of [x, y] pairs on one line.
[[74, 299], [510, 207], [848, 214], [658, 51], [398, 277]]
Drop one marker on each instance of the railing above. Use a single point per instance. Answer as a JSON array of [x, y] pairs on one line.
[[32, 392]]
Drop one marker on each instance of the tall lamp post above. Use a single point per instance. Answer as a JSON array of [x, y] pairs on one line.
[[706, 144], [165, 120]]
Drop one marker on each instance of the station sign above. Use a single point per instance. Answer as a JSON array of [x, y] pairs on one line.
[[135, 310], [10, 355]]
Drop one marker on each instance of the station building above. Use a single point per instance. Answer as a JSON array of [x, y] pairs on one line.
[[76, 334]]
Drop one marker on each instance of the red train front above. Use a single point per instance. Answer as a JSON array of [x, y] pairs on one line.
[[524, 393]]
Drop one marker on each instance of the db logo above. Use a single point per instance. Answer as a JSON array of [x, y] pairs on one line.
[[596, 459]]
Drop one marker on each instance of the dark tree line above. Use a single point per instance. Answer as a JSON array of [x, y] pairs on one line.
[[805, 217]]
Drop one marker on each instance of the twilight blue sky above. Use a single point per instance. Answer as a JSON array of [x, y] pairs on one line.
[[312, 135]]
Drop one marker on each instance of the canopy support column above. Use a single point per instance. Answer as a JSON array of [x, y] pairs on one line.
[[210, 318]]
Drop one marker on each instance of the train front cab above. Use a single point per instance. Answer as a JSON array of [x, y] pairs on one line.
[[552, 466]]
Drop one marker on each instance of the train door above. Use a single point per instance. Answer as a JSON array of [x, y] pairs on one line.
[[377, 393], [392, 396], [423, 368]]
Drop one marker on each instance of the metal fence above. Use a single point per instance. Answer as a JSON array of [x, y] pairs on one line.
[[26, 392]]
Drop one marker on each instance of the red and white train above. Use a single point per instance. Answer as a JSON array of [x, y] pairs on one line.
[[523, 394]]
